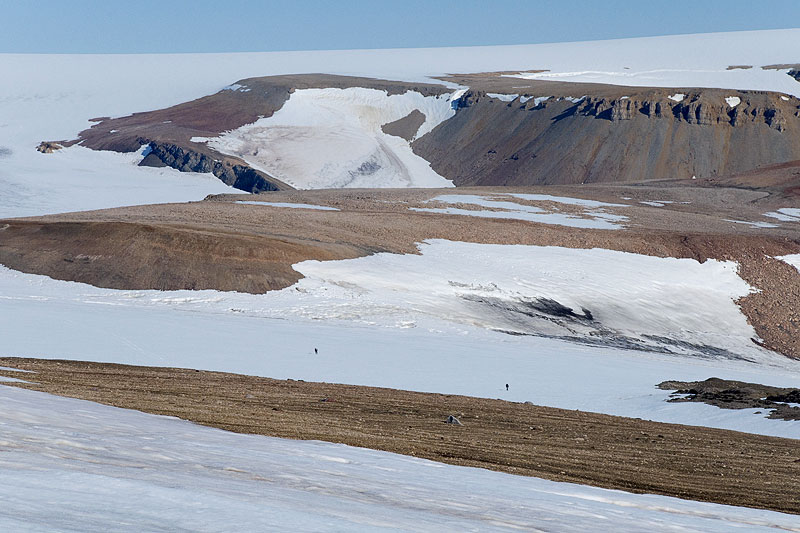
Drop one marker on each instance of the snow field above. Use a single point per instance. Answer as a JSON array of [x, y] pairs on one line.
[[72, 465], [79, 179], [425, 322]]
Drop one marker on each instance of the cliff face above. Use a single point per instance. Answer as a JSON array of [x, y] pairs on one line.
[[634, 135], [229, 170]]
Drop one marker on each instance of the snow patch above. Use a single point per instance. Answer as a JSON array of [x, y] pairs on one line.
[[289, 205], [332, 138], [733, 101], [677, 97], [793, 259], [592, 217], [236, 87], [754, 224], [785, 214], [503, 97]]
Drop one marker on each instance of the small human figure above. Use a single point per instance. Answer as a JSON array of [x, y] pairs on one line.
[[506, 386], [317, 351]]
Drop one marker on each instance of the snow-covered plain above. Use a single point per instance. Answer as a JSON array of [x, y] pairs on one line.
[[71, 465], [426, 322], [52, 97], [641, 63], [79, 179], [332, 138], [499, 206]]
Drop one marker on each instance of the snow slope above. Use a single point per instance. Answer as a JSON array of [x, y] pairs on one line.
[[71, 465], [51, 97], [332, 138], [426, 323]]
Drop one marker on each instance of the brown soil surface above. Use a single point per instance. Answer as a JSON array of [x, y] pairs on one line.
[[729, 394], [613, 452]]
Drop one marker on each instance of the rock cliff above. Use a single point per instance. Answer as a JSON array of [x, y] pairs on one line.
[[613, 135]]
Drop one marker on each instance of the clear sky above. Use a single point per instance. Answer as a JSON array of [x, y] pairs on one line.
[[145, 26]]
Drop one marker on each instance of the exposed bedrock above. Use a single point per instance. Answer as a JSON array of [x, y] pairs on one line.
[[625, 135], [231, 171]]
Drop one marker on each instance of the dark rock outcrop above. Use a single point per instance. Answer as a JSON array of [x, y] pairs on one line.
[[228, 170]]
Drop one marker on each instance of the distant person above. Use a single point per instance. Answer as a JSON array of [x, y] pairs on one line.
[[317, 351], [506, 386]]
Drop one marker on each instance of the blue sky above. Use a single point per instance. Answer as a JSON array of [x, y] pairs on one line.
[[146, 26]]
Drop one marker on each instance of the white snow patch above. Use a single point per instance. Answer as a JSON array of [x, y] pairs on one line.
[[793, 259], [290, 205], [785, 214], [332, 138], [593, 217], [236, 87], [656, 203], [677, 97], [733, 101], [74, 465], [785, 98], [503, 97], [754, 224]]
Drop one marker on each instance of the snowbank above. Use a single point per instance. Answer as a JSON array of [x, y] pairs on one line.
[[332, 138]]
